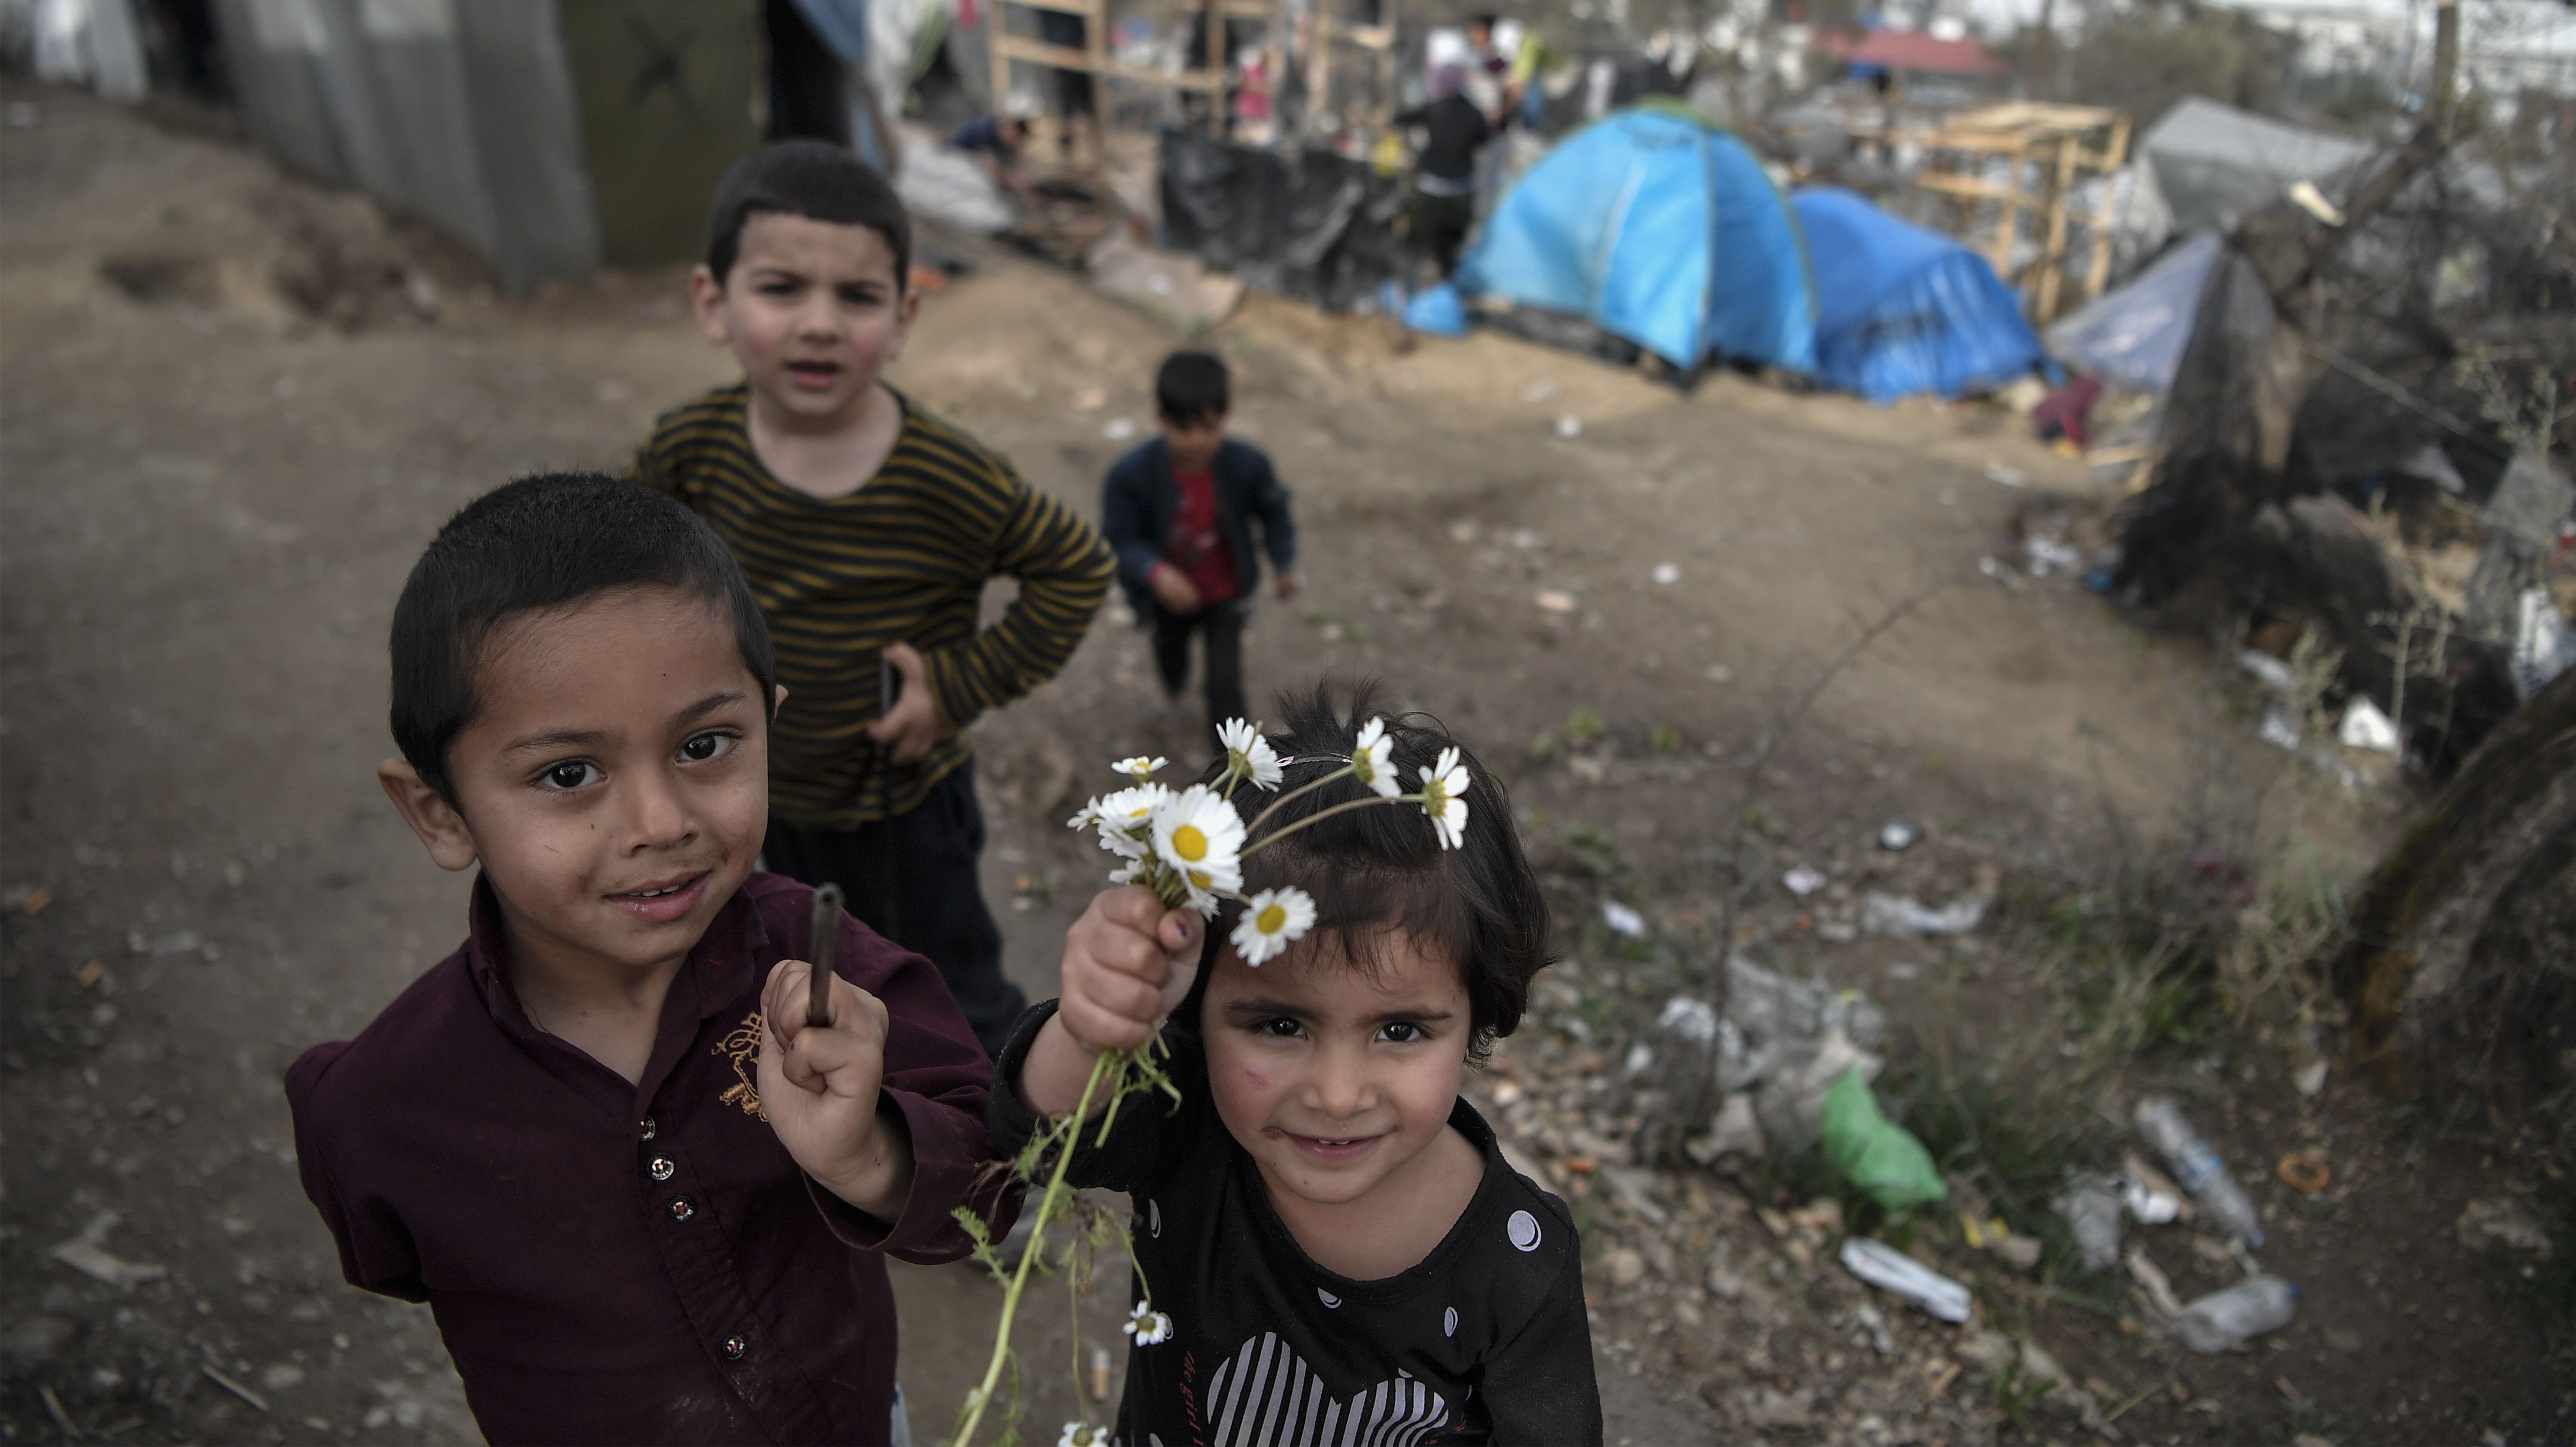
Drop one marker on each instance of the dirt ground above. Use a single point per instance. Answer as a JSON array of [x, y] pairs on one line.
[[232, 409]]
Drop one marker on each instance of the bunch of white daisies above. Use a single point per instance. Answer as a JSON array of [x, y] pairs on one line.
[[1188, 845]]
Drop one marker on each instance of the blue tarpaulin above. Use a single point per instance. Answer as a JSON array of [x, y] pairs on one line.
[[1905, 310], [1662, 229], [2135, 336]]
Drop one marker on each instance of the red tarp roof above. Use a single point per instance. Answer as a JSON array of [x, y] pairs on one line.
[[1909, 50]]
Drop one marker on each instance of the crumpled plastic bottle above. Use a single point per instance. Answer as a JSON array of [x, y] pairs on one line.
[[2199, 1169]]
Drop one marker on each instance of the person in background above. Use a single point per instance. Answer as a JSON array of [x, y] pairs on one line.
[[1179, 511], [996, 143], [1444, 169]]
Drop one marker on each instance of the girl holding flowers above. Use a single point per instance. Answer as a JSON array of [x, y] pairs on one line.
[[1329, 1245]]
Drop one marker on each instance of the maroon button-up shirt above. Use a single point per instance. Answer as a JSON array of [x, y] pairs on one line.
[[640, 1263]]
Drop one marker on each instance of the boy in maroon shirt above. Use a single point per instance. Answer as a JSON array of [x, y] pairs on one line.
[[647, 1200], [1180, 513]]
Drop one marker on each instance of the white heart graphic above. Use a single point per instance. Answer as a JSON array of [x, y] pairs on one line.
[[1266, 1396]]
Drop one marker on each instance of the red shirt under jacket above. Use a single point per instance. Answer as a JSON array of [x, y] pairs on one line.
[[639, 1263]]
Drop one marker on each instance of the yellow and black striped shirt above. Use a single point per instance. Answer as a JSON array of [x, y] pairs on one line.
[[904, 558]]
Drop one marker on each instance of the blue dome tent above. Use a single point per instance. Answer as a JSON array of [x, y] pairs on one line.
[[1660, 228], [1906, 310]]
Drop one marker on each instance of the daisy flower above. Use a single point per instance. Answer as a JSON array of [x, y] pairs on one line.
[[1148, 1326], [1373, 759], [1083, 1434], [1271, 920], [1124, 818], [1444, 788], [1199, 835], [1248, 755], [1140, 768]]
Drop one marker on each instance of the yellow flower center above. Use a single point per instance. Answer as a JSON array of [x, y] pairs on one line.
[[1434, 798], [1271, 920], [1189, 843], [1199, 878]]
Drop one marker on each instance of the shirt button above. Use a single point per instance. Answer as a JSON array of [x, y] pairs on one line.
[[683, 1208], [648, 1127], [660, 1168], [735, 1346]]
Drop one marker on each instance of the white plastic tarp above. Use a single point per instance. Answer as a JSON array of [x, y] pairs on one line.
[[2216, 165], [2135, 336]]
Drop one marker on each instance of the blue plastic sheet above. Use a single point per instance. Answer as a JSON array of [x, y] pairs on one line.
[[1438, 312], [1903, 310], [1662, 229]]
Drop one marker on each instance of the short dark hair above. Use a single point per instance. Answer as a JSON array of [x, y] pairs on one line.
[[814, 179], [1193, 387], [548, 541], [1485, 21], [1374, 869]]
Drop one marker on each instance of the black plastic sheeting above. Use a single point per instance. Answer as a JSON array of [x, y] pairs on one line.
[[1311, 225]]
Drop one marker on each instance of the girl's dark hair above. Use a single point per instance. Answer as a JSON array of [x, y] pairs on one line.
[[1380, 869], [549, 541]]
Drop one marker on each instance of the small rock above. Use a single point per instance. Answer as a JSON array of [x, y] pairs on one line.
[[282, 1376], [1769, 1410], [1725, 1285], [1988, 1351], [1627, 1268], [1898, 835], [2021, 1251], [2310, 1078], [2506, 1222], [33, 1338], [1823, 1214]]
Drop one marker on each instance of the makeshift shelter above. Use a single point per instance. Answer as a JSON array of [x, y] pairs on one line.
[[1904, 310], [2209, 166], [1662, 229], [2134, 336], [1307, 224], [551, 137]]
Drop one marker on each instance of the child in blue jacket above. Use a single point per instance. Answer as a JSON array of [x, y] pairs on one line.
[[1180, 512]]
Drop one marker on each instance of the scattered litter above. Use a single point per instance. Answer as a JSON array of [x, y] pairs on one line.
[[2311, 1078], [1538, 392], [2543, 645], [87, 1254], [2278, 729], [236, 1388], [1555, 601], [2090, 1205], [1898, 835], [2223, 1319], [1119, 429], [2019, 1252], [2506, 1222], [1100, 1366], [54, 1409], [1623, 920], [2148, 1206], [2365, 727], [1665, 573], [1896, 914], [2305, 195], [2001, 572], [1878, 1156], [179, 943], [1905, 1278], [2198, 1168], [1803, 881], [2152, 1280], [1569, 427], [1736, 1133], [2003, 476], [28, 899], [89, 974], [2271, 672], [2046, 555], [2304, 1171]]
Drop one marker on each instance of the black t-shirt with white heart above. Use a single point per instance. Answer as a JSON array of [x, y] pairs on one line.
[[1484, 1340]]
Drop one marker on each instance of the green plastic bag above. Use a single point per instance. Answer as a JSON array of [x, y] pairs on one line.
[[1874, 1153]]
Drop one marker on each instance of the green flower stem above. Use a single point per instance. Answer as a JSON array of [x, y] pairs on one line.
[[1055, 1193], [1266, 840], [1344, 772]]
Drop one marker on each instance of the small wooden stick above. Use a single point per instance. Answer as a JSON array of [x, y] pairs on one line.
[[827, 932]]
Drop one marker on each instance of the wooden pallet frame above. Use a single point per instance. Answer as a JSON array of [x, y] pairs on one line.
[[2061, 140]]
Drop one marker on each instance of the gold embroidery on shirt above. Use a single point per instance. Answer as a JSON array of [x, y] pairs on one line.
[[742, 1047]]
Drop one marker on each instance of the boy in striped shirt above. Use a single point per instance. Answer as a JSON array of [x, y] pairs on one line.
[[868, 529]]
